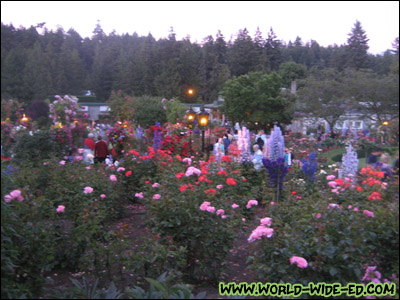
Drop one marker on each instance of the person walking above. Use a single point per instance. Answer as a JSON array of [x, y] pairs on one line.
[[219, 149], [257, 157], [100, 150], [88, 152]]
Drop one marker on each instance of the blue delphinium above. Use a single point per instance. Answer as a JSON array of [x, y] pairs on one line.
[[139, 133], [157, 138], [310, 167], [276, 170], [276, 144]]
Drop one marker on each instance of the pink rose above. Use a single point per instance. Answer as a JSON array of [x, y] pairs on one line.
[[88, 190], [234, 205], [204, 205], [139, 195], [62, 162], [15, 193], [318, 215], [60, 208], [220, 186], [272, 203], [210, 209], [368, 213], [155, 185], [330, 177], [120, 169], [266, 221], [332, 184], [8, 198], [113, 178], [102, 196], [220, 212], [301, 262], [251, 203], [156, 196]]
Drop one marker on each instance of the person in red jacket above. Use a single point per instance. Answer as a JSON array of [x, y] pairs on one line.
[[88, 146], [100, 150]]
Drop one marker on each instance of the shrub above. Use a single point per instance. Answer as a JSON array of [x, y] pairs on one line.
[[337, 241], [34, 148], [178, 210]]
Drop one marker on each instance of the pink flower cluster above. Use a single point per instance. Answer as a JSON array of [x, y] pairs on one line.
[[206, 206], [368, 213], [299, 261], [332, 205], [251, 203], [60, 208], [139, 195], [262, 230], [15, 194], [87, 190], [192, 170], [187, 160], [372, 275]]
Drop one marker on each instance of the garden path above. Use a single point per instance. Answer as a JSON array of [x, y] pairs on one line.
[[237, 269]]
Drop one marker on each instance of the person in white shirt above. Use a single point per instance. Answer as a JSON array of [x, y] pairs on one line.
[[257, 157]]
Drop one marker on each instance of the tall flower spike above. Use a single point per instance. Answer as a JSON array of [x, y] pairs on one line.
[[276, 144], [349, 162]]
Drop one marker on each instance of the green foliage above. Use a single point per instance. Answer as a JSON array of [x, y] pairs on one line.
[[257, 97], [121, 106], [290, 71], [206, 237], [37, 239], [326, 95], [148, 110], [175, 111], [338, 241], [35, 148], [160, 288]]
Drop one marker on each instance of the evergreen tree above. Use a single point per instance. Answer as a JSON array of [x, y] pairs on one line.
[[357, 47], [243, 54], [274, 51]]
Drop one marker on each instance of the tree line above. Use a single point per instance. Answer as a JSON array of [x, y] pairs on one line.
[[35, 66]]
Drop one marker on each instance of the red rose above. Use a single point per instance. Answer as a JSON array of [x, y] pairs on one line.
[[230, 181]]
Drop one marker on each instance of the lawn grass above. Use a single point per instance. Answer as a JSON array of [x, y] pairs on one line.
[[361, 163]]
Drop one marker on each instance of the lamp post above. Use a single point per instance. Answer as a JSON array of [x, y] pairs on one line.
[[190, 116], [385, 124], [202, 118]]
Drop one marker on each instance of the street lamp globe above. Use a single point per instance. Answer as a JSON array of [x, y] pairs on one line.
[[202, 117], [190, 115]]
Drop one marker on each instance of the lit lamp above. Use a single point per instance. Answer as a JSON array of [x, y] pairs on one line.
[[190, 92], [385, 124], [190, 116], [202, 118], [24, 118]]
